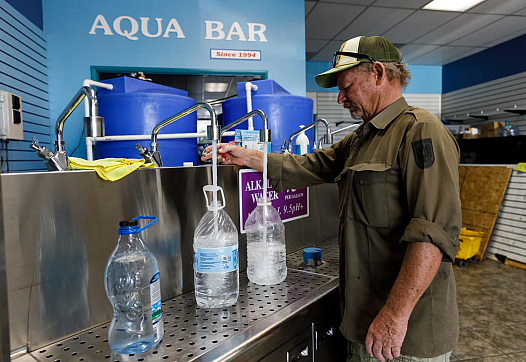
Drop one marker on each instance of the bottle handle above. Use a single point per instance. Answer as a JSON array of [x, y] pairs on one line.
[[213, 188], [154, 218]]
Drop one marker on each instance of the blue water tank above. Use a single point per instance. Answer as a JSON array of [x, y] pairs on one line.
[[134, 107], [285, 112]]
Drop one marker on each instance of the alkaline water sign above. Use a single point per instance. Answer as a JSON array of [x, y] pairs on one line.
[[290, 204]]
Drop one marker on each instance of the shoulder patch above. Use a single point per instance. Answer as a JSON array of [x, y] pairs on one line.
[[423, 151]]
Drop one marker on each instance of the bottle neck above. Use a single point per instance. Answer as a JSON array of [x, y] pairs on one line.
[[129, 244]]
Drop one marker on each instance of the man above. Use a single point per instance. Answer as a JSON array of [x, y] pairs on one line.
[[399, 209]]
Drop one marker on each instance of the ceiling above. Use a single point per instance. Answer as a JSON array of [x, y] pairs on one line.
[[424, 37]]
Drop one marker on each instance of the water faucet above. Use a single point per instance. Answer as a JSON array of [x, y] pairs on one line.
[[327, 137], [264, 134], [93, 127], [153, 155]]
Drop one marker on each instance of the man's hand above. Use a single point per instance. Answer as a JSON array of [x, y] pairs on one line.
[[229, 154], [385, 335]]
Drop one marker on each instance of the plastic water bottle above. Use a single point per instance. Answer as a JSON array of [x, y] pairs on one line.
[[302, 143], [508, 130], [216, 272], [132, 284], [266, 249]]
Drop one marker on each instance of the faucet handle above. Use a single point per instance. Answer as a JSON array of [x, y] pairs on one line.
[[34, 144]]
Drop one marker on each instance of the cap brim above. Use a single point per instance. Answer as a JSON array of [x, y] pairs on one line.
[[328, 79]]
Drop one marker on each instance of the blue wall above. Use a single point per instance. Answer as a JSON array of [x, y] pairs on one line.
[[424, 79], [73, 51], [497, 62], [23, 71], [31, 9]]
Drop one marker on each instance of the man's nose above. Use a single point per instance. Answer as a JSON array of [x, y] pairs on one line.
[[341, 97]]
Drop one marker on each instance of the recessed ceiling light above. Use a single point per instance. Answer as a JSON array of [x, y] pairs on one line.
[[452, 5], [216, 87]]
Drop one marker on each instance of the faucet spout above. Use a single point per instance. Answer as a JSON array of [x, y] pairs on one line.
[[264, 134], [93, 109], [153, 155], [307, 127]]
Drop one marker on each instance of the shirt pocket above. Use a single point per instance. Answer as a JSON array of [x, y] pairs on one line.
[[370, 201]]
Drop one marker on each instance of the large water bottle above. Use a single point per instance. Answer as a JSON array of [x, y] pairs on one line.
[[266, 250], [132, 284], [508, 130], [216, 272]]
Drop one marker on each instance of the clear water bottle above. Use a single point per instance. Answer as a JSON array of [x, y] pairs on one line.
[[266, 250], [508, 130], [216, 272], [132, 284]]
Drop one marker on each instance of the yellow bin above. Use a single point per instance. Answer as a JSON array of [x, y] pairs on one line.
[[469, 243]]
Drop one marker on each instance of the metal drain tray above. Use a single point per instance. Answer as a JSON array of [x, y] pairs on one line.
[[191, 331]]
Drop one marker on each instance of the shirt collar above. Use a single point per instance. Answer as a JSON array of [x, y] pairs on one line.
[[385, 117]]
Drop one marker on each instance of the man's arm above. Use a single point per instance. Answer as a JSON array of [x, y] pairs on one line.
[[387, 331]]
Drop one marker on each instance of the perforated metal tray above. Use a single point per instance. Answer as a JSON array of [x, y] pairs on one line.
[[191, 331]]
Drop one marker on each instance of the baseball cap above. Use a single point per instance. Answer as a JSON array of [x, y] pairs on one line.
[[363, 49]]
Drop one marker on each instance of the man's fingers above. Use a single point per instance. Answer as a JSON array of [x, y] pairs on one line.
[[377, 351], [386, 351], [396, 352], [369, 344]]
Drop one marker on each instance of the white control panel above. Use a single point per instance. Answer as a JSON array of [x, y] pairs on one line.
[[11, 125]]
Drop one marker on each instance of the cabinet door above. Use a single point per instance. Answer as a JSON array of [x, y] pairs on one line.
[[297, 349]]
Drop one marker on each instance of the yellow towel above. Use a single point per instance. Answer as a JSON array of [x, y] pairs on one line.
[[521, 167], [111, 169]]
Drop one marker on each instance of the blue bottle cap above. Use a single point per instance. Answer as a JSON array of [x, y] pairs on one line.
[[311, 253]]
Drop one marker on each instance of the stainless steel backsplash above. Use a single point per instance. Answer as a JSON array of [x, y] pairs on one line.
[[61, 227]]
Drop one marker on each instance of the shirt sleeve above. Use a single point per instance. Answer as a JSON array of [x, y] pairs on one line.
[[294, 171], [429, 166]]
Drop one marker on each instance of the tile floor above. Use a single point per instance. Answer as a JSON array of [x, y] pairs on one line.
[[492, 308]]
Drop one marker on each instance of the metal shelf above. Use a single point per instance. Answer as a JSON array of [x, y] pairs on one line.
[[191, 331], [520, 111]]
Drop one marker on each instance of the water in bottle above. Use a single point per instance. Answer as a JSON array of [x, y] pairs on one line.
[[266, 250], [132, 284], [216, 272]]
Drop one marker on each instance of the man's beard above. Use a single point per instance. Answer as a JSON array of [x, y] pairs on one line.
[[354, 115]]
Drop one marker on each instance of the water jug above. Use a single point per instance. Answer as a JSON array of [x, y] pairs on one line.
[[266, 250], [216, 271], [133, 286]]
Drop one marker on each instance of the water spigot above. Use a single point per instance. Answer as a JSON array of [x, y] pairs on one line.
[[288, 149], [153, 155], [94, 126], [53, 161]]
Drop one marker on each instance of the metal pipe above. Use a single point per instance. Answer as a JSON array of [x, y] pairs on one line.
[[307, 127], [355, 125], [155, 146], [85, 91], [245, 117]]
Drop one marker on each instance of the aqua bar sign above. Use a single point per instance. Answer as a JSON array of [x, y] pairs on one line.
[[131, 28]]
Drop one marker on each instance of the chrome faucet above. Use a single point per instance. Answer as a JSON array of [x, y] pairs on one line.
[[153, 155], [327, 137], [93, 127], [264, 134]]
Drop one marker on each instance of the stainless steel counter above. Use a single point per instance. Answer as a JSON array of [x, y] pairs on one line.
[[245, 331]]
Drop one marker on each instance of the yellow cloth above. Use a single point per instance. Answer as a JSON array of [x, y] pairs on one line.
[[111, 169], [521, 167]]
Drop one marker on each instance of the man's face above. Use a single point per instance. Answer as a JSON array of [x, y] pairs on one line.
[[357, 93]]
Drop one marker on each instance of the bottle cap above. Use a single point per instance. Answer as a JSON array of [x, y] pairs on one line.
[[311, 253]]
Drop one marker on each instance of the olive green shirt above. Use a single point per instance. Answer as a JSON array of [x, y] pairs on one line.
[[398, 183]]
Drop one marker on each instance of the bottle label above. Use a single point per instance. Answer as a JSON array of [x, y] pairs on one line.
[[157, 313], [215, 260]]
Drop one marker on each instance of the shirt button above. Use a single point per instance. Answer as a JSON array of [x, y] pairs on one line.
[[361, 182]]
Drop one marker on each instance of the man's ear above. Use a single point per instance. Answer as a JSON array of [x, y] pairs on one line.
[[378, 71]]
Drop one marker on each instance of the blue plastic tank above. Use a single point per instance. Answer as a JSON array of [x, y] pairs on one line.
[[134, 107], [285, 112]]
